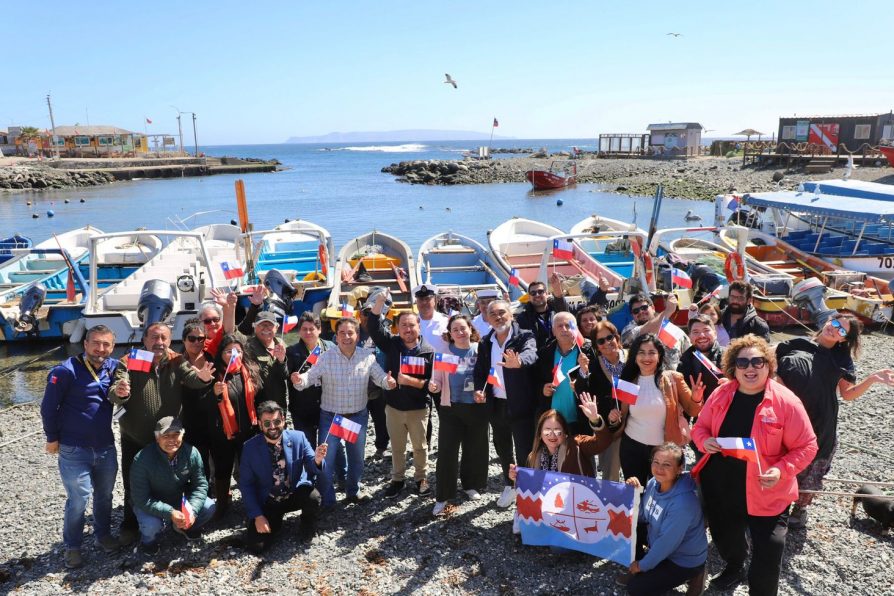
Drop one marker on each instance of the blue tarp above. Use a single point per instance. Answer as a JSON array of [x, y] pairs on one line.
[[868, 210], [851, 188]]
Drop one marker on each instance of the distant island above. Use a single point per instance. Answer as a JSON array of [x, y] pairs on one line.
[[392, 136]]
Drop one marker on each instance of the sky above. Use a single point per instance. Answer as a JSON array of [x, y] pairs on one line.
[[260, 72]]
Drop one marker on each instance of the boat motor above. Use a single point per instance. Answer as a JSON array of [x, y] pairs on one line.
[[809, 293], [704, 280], [31, 302], [156, 302], [281, 293]]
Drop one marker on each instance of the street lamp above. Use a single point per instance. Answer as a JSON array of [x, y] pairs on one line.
[[195, 139], [179, 128]]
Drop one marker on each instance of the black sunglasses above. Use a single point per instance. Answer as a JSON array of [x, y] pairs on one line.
[[537, 292], [275, 422], [209, 321], [195, 338], [639, 309], [756, 362], [603, 340]]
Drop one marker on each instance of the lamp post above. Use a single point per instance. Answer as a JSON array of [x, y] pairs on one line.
[[179, 127]]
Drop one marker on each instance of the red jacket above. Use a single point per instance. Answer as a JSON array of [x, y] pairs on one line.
[[783, 436]]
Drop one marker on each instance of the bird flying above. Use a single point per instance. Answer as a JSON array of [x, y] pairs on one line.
[[449, 80], [676, 34]]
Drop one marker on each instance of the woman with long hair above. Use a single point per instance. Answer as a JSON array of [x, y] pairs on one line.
[[657, 414], [608, 364], [199, 405], [818, 370]]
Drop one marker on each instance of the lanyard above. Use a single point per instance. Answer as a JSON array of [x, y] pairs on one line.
[[91, 370]]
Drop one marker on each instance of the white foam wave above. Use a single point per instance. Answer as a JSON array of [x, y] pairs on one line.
[[405, 148]]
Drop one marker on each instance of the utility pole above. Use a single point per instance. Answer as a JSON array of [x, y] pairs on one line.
[[53, 124], [195, 139], [179, 127]]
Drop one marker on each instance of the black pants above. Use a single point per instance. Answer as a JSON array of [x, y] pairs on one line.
[[305, 498], [767, 543], [129, 450], [508, 431], [462, 425], [635, 459], [226, 454], [376, 407], [664, 577], [308, 422]]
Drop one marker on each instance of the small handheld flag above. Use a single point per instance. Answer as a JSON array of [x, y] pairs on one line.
[[314, 355], [231, 272], [496, 123], [493, 379], [558, 376], [625, 391], [514, 280], [562, 249], [706, 362], [448, 363], [669, 334], [412, 365], [347, 311], [345, 428], [578, 338], [235, 362], [738, 447], [636, 248], [680, 278], [289, 323], [140, 360], [708, 296], [186, 510]]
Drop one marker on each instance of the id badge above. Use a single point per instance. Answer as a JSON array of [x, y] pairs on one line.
[[469, 385]]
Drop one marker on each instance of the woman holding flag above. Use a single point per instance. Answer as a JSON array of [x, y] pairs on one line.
[[755, 419], [609, 363], [304, 403], [651, 401], [462, 417]]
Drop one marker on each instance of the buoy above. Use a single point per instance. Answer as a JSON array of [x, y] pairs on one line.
[[34, 216], [83, 200], [28, 203], [559, 202], [50, 213], [67, 201]]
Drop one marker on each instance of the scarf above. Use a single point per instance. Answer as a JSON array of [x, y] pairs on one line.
[[225, 407], [548, 462]]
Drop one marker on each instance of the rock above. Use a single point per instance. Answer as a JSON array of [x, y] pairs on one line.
[[778, 176]]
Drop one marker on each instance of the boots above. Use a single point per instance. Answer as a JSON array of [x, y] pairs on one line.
[[222, 496]]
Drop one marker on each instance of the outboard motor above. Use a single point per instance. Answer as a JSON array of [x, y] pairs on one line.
[[704, 279], [156, 302], [809, 293], [281, 293], [31, 302]]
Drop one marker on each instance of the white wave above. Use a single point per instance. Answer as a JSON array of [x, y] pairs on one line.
[[405, 148]]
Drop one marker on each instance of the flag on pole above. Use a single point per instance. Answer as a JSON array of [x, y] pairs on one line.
[[345, 428], [412, 365], [680, 278], [235, 363], [558, 376], [562, 249], [148, 121], [636, 248], [670, 334], [578, 338], [514, 280], [493, 379], [347, 310], [706, 362], [314, 355], [496, 123], [448, 363], [231, 272], [188, 513], [140, 360], [708, 296], [289, 323], [738, 447], [732, 202], [624, 391]]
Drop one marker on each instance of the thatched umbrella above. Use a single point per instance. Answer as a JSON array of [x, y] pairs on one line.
[[749, 132]]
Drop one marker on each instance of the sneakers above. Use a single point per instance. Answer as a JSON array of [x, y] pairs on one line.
[[379, 455], [473, 494], [506, 498], [422, 488], [73, 558], [149, 548], [108, 543], [127, 536], [394, 489], [797, 520], [357, 499], [439, 508], [729, 578], [515, 527]]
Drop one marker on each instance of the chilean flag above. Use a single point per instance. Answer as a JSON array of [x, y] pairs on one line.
[[578, 338], [493, 379], [344, 428], [706, 362], [140, 360], [347, 310], [680, 278], [738, 447], [289, 323], [514, 279], [412, 365], [235, 363], [448, 363], [669, 334], [314, 355], [188, 513], [231, 272], [562, 249], [496, 124], [558, 376], [625, 391]]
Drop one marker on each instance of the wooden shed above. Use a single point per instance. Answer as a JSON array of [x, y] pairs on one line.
[[675, 138], [851, 131]]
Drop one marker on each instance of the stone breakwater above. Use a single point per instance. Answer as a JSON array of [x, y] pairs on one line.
[[43, 177], [697, 178]]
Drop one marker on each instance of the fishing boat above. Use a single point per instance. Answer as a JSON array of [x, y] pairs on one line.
[[604, 245], [888, 152], [294, 260], [859, 189], [561, 173], [460, 267], [867, 297], [371, 259], [170, 287], [14, 242]]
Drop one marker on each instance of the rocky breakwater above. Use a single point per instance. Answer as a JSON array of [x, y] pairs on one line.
[[40, 177], [433, 171]]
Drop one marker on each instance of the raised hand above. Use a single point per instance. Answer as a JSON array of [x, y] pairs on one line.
[[670, 304], [511, 359], [279, 351], [206, 373], [698, 388], [548, 390], [122, 389], [390, 383], [232, 299], [433, 387], [479, 397], [219, 296], [258, 293], [588, 407]]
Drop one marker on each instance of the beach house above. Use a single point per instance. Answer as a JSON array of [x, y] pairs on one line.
[[855, 132], [675, 138]]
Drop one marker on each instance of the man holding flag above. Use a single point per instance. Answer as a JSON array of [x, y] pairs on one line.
[[168, 486], [564, 366], [701, 362], [536, 316], [304, 404], [646, 320], [269, 352]]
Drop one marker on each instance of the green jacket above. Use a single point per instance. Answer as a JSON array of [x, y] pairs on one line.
[[157, 488], [273, 373]]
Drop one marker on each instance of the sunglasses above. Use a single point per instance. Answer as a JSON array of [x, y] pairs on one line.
[[604, 340], [276, 422], [195, 338], [552, 432], [837, 325], [211, 320], [639, 309], [537, 292], [756, 362]]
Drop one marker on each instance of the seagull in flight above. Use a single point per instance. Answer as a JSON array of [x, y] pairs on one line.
[[676, 34], [449, 80]]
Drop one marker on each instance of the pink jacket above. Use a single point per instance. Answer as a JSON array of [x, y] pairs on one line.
[[783, 436]]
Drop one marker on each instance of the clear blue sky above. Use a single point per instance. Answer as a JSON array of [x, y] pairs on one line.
[[259, 72]]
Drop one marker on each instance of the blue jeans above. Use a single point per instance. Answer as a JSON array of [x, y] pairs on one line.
[[354, 452], [87, 471], [151, 526]]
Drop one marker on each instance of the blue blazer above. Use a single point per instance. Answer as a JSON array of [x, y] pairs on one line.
[[256, 468]]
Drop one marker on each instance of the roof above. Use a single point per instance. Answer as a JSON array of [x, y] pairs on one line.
[[851, 188], [864, 210], [675, 126], [821, 116], [90, 131]]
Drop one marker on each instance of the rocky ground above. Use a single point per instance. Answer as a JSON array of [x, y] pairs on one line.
[[390, 547], [41, 176], [696, 178]]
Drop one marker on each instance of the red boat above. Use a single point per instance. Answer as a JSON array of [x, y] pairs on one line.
[[888, 151], [559, 175]]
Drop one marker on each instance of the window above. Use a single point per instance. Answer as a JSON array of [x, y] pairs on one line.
[[104, 140], [788, 132], [82, 141], [861, 131]]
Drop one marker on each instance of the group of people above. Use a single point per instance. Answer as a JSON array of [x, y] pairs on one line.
[[539, 383]]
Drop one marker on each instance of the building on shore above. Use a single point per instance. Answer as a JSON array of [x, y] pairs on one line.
[[832, 134], [675, 138], [85, 141]]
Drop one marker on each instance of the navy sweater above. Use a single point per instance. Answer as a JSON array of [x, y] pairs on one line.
[[76, 410]]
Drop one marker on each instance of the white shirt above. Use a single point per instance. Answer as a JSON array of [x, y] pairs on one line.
[[496, 356], [433, 329], [645, 423], [482, 326]]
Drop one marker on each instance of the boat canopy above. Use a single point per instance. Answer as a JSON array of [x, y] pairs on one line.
[[851, 188], [864, 210]]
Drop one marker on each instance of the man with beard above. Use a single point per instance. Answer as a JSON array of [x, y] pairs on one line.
[[740, 318], [536, 316], [646, 320], [146, 397], [269, 352], [276, 476], [703, 336]]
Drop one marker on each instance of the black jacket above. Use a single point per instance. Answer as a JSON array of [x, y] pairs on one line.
[[304, 403], [749, 323], [690, 366], [403, 397], [540, 324], [546, 357], [521, 395]]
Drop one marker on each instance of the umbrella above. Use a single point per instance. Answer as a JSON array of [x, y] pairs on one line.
[[749, 132]]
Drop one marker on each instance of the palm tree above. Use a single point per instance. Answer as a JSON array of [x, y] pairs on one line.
[[28, 134]]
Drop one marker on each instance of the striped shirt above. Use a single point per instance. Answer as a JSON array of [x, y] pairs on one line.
[[345, 380]]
